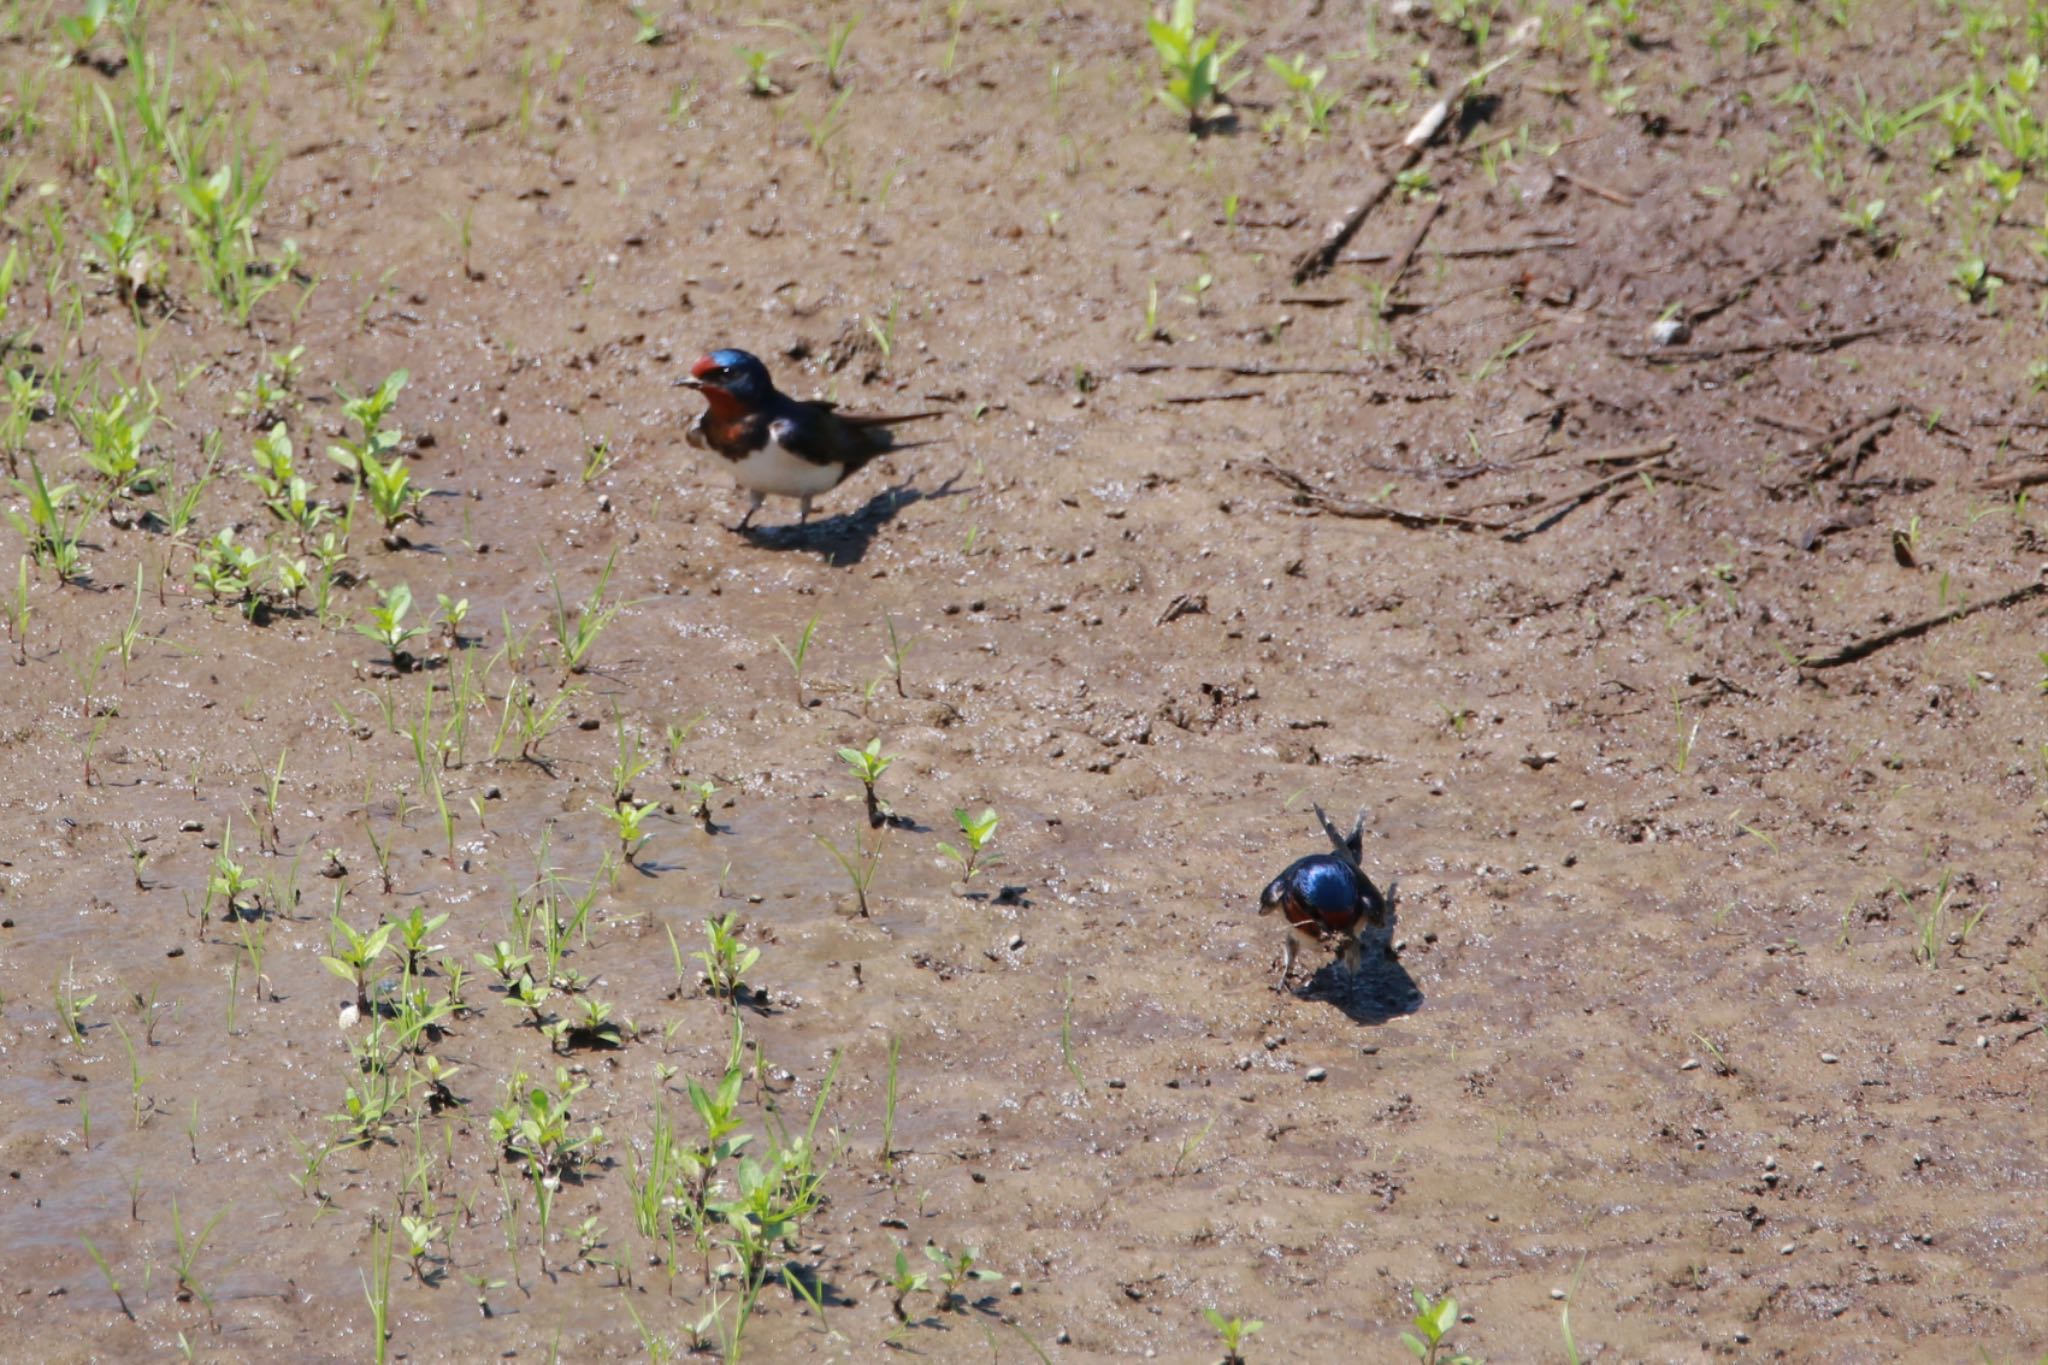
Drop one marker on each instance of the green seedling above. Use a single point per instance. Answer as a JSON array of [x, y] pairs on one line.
[[1432, 1323], [956, 1271], [412, 934], [535, 1126], [187, 1255], [575, 638], [700, 794], [387, 625], [220, 224], [1234, 1331], [503, 962], [449, 616], [227, 569], [726, 960], [592, 1025], [71, 1006], [180, 505], [868, 765], [107, 1273], [52, 536], [905, 1282], [1975, 280], [355, 956], [78, 30], [797, 654], [377, 1289], [1194, 69], [754, 77], [24, 400], [127, 254], [394, 497], [630, 763], [292, 581], [627, 817], [420, 1236], [860, 867], [888, 1152], [898, 650], [597, 459], [977, 832], [649, 31], [1304, 84]]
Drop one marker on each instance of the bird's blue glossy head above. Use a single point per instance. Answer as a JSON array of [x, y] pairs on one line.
[[733, 372]]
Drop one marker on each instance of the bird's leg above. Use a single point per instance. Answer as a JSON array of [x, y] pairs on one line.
[[1287, 961], [1350, 954], [754, 501], [803, 509]]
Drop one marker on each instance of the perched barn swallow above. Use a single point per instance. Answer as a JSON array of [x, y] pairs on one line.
[[1328, 896], [775, 443]]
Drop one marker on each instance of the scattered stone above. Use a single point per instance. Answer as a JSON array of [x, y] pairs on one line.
[[190, 826], [1829, 1058], [1579, 804], [1314, 1074], [1788, 1248], [1689, 1064], [1557, 1293]]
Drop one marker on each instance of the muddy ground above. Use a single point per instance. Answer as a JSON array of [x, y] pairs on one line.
[[1716, 1017]]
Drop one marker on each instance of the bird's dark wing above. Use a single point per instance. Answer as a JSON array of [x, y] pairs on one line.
[[814, 432]]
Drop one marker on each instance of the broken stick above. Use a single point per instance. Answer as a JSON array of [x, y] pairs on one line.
[[1320, 257], [1870, 644]]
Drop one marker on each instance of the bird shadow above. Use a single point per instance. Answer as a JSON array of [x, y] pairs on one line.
[[844, 540], [1380, 990]]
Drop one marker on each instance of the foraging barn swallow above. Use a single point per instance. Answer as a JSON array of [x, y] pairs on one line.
[[1328, 896], [775, 443]]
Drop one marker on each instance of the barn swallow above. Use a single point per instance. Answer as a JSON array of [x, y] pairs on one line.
[[775, 443], [1328, 896]]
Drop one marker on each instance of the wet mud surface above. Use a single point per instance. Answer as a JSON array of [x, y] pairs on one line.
[[1552, 596]]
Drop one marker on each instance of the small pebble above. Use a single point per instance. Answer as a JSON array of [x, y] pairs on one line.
[[1770, 1163], [1370, 1049], [1742, 1338], [1788, 1248], [1315, 1073], [1689, 1064], [1116, 1082], [1830, 1058], [1557, 1293], [189, 826], [1578, 805]]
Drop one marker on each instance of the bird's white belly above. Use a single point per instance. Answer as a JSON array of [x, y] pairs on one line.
[[771, 469]]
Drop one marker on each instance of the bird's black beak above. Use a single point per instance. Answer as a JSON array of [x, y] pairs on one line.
[[689, 381]]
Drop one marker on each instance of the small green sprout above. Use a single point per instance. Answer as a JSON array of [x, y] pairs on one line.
[[868, 765], [978, 831], [1194, 69], [355, 956], [726, 960], [1433, 1321], [1233, 1331], [956, 1271], [627, 817], [387, 625]]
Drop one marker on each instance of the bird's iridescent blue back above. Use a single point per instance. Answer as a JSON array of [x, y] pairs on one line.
[[1327, 885]]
